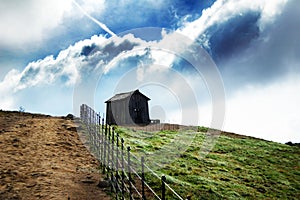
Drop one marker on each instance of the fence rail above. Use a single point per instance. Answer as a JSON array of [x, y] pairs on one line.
[[124, 171]]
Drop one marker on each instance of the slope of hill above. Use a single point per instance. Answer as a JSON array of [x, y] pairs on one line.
[[238, 167], [42, 157]]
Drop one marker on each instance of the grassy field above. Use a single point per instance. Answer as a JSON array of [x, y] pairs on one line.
[[236, 168]]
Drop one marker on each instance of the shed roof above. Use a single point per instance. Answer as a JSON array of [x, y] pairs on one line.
[[125, 95]]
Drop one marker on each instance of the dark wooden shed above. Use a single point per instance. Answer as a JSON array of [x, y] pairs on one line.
[[130, 108]]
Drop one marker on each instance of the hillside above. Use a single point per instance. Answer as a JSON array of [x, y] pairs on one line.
[[238, 167], [42, 157]]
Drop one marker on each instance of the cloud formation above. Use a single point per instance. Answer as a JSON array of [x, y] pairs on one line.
[[221, 11], [271, 55], [103, 26], [251, 42], [82, 62], [22, 23], [63, 69], [270, 112], [35, 22]]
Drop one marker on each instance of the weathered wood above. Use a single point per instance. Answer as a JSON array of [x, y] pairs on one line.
[[129, 108]]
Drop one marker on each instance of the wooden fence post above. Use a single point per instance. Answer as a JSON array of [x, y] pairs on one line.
[[99, 135], [90, 127], [117, 153], [80, 108], [117, 164], [108, 152], [129, 173], [143, 178], [86, 114], [112, 157], [97, 124], [123, 169], [104, 149], [163, 188], [112, 147], [94, 131], [102, 142]]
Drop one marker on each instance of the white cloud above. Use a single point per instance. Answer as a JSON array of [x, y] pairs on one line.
[[6, 87], [68, 65], [31, 22], [24, 22], [92, 6], [85, 12], [270, 112], [223, 10], [269, 11]]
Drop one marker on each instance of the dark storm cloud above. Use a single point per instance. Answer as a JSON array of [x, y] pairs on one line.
[[235, 35], [112, 49], [99, 55], [259, 57], [279, 54], [186, 7], [86, 50]]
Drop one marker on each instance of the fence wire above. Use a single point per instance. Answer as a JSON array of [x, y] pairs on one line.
[[122, 169]]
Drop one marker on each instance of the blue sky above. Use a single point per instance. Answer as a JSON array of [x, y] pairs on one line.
[[57, 54]]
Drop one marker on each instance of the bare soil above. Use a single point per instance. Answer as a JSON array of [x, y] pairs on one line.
[[42, 157]]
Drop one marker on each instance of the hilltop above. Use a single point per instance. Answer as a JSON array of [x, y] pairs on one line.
[[42, 157]]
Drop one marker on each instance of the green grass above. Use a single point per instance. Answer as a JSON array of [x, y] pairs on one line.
[[236, 168]]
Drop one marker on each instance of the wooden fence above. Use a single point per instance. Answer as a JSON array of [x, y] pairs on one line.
[[128, 175]]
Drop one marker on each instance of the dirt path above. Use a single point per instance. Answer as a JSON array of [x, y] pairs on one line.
[[42, 157]]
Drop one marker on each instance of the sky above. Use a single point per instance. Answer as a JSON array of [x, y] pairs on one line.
[[227, 64]]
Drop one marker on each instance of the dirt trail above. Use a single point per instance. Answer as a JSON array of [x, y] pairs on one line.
[[42, 157]]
